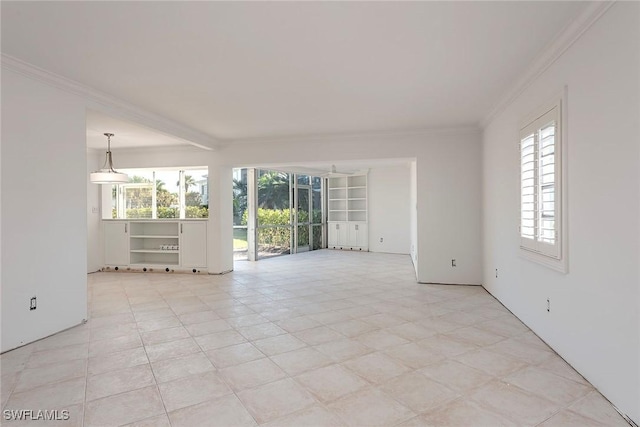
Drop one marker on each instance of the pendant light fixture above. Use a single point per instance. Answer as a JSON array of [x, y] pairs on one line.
[[108, 175]]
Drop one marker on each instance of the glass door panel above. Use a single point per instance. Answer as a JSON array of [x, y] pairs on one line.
[[303, 213]]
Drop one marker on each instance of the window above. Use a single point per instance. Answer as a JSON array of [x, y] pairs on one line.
[[541, 219], [161, 193]]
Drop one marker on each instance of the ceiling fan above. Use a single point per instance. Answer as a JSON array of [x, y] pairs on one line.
[[335, 173]]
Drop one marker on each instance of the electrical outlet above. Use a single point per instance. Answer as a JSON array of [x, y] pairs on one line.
[[453, 263], [548, 305], [32, 303], [496, 273], [381, 239], [94, 209]]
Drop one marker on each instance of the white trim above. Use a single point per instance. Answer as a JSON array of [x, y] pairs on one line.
[[362, 135], [560, 264], [549, 55], [111, 105]]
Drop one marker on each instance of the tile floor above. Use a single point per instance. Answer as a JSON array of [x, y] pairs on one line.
[[319, 339]]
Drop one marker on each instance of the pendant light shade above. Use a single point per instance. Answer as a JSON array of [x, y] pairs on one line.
[[108, 175]]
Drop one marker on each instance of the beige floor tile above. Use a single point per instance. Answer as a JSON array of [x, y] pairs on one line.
[[114, 345], [425, 344], [548, 385], [119, 360], [413, 355], [192, 390], [514, 403], [370, 408], [491, 363], [164, 335], [380, 340], [124, 408], [455, 375], [198, 317], [279, 344], [319, 335], [171, 369], [475, 336], [376, 367], [64, 339], [114, 382], [297, 324], [263, 330], [521, 351], [446, 345], [246, 320], [275, 400], [224, 411], [56, 395], [57, 355], [32, 378], [383, 320], [411, 331], [352, 327], [112, 331], [197, 329], [331, 382], [158, 421], [315, 416], [559, 367], [172, 349], [566, 418], [159, 313], [219, 340], [7, 383], [252, 374], [155, 324], [298, 361], [464, 413], [418, 392], [507, 326], [330, 317], [598, 408], [234, 355], [344, 349]]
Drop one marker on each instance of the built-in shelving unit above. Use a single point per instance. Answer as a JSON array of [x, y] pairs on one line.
[[155, 243], [347, 219], [149, 245]]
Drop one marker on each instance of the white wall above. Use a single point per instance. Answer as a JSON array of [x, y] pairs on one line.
[[389, 203], [44, 220], [220, 224], [593, 322], [448, 187], [413, 214], [95, 252]]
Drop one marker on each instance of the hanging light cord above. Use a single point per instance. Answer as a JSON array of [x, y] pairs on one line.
[[108, 160]]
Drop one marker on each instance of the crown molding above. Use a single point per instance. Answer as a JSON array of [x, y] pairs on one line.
[[550, 54], [472, 129], [110, 104]]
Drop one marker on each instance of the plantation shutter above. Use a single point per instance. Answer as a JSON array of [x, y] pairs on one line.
[[540, 185]]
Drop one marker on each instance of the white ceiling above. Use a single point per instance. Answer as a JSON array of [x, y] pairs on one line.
[[242, 70], [125, 134]]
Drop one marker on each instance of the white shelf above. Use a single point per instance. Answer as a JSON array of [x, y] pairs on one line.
[[155, 251], [142, 236], [348, 213]]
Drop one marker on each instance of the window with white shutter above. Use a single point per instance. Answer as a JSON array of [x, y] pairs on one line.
[[541, 184]]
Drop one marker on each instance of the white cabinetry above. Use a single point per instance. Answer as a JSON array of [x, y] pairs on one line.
[[116, 243], [149, 245], [154, 243], [193, 244], [347, 220]]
